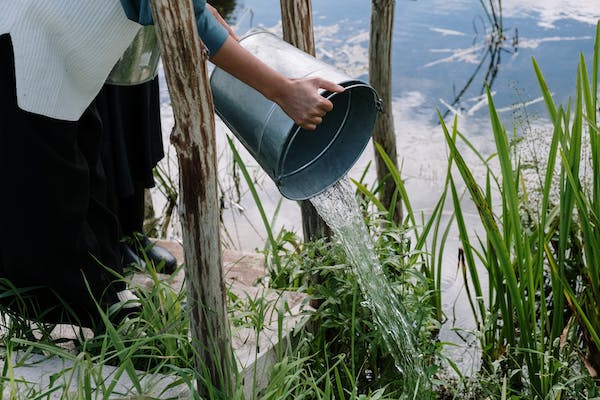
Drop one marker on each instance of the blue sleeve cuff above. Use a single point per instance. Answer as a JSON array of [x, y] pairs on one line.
[[213, 34], [211, 31], [138, 11]]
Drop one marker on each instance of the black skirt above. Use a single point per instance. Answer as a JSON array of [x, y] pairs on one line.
[[132, 134], [58, 236], [132, 146]]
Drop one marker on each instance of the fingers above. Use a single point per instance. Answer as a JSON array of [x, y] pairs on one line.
[[328, 85], [309, 126], [311, 123], [316, 114], [304, 103], [325, 105], [316, 120]]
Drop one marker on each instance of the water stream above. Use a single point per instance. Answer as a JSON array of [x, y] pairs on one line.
[[339, 209]]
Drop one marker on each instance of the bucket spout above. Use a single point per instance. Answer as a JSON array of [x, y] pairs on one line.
[[302, 163]]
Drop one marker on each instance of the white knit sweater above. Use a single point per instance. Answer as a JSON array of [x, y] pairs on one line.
[[64, 50]]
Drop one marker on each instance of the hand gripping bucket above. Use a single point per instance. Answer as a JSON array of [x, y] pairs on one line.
[[302, 163]]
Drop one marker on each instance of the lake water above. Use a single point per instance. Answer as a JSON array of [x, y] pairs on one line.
[[439, 46]]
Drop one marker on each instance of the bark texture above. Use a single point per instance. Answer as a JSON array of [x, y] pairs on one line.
[[296, 18], [184, 60], [380, 77]]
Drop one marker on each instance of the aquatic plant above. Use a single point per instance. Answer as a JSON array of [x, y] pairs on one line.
[[542, 304]]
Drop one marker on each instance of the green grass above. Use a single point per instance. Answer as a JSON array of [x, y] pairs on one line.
[[341, 356]]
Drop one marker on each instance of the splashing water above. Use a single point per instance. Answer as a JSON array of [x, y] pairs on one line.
[[339, 209]]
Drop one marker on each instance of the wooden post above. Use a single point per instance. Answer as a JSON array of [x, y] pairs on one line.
[[296, 20], [184, 61], [380, 77]]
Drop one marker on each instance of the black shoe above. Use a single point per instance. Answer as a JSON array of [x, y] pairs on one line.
[[129, 258], [159, 256]]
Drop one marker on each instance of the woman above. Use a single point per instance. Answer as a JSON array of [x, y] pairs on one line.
[[60, 241]]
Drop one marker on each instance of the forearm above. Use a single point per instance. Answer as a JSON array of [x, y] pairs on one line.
[[240, 63], [299, 98]]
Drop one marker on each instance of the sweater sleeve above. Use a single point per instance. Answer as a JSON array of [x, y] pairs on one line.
[[212, 33]]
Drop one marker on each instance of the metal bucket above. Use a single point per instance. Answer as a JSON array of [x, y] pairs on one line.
[[139, 63], [302, 163]]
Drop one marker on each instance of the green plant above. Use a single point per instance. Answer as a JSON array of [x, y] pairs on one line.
[[578, 220], [343, 327], [272, 244], [526, 333], [169, 190]]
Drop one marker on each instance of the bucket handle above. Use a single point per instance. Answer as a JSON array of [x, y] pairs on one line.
[[328, 95]]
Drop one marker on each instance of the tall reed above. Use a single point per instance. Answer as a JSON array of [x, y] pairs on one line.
[[522, 251]]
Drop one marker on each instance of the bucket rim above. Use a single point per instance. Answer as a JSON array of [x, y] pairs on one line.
[[256, 31], [296, 129], [280, 178]]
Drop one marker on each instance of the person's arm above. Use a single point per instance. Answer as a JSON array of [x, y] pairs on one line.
[[299, 98], [212, 31]]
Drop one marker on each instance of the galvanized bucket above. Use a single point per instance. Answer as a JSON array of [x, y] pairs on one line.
[[302, 163], [139, 63]]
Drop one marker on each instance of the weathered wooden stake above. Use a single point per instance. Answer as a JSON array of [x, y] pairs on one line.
[[380, 77], [296, 20], [184, 61]]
